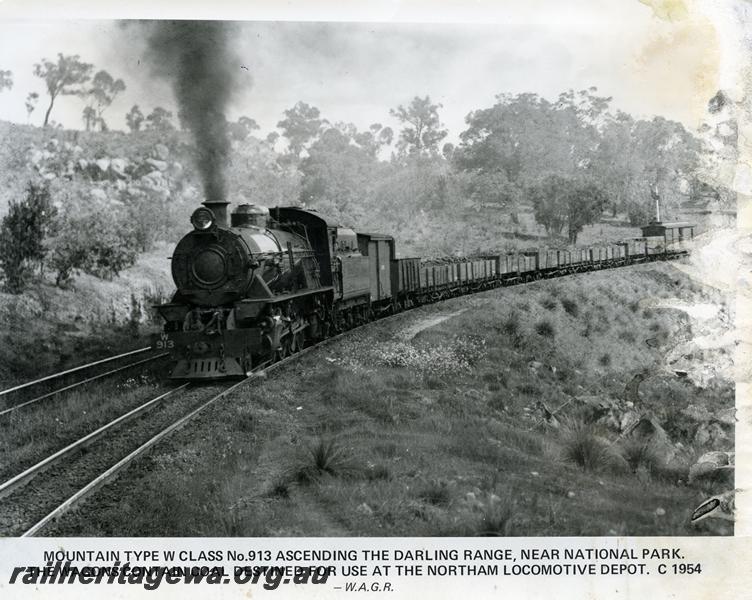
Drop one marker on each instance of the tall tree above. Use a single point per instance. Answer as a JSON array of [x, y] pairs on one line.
[[374, 139], [103, 91], [65, 77], [248, 123], [89, 116], [422, 129], [526, 136], [134, 118], [31, 103], [559, 202], [160, 119], [337, 174], [635, 156], [301, 125], [241, 129], [6, 80], [550, 202]]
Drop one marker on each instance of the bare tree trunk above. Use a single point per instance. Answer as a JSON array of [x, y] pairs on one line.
[[572, 235], [49, 110]]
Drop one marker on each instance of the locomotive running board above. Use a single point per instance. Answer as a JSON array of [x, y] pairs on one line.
[[285, 297]]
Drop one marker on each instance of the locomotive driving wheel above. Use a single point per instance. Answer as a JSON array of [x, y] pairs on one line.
[[296, 342], [284, 349], [337, 321]]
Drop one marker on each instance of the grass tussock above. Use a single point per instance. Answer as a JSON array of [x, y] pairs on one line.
[[640, 454], [545, 329], [582, 444], [324, 457], [243, 420], [495, 516], [570, 307], [525, 441], [435, 492], [549, 303]]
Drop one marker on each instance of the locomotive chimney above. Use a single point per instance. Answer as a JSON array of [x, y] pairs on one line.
[[219, 208]]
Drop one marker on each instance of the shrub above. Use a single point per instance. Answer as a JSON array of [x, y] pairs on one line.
[[22, 235], [605, 360], [96, 244], [230, 522]]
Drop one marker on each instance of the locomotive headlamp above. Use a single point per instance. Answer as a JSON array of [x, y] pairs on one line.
[[202, 219]]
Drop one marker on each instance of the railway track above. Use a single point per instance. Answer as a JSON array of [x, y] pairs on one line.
[[8, 393], [52, 486], [29, 503]]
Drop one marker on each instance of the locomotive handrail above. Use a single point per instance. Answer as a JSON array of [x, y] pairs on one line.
[[73, 370]]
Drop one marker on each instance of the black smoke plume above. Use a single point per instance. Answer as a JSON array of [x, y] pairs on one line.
[[196, 57]]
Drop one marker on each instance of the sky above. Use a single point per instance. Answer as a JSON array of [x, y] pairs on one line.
[[654, 57]]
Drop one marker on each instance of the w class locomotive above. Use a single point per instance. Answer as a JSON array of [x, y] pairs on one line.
[[258, 289]]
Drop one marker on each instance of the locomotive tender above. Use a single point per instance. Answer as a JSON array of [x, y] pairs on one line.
[[259, 288]]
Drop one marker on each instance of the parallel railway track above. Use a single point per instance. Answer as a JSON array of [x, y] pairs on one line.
[[77, 471], [57, 376]]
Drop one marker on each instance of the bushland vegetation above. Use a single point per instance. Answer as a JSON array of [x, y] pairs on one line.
[[527, 171]]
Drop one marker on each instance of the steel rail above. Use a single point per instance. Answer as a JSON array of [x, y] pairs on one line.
[[80, 383], [73, 370], [23, 478]]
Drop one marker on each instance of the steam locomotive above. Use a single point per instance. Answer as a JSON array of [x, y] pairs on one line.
[[271, 281], [261, 288]]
